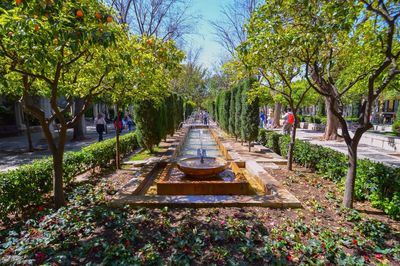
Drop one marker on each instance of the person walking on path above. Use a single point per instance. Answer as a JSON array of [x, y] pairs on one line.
[[288, 122], [262, 119], [271, 119], [101, 125], [205, 118], [118, 125], [129, 122]]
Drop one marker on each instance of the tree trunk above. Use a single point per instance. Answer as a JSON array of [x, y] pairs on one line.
[[249, 145], [58, 187], [291, 147], [28, 133], [332, 124], [351, 177], [277, 115], [117, 151], [58, 155], [79, 129]]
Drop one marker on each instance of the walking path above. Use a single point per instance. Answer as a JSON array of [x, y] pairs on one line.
[[13, 150], [364, 151]]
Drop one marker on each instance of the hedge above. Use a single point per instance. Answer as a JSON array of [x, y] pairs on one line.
[[29, 183], [376, 182]]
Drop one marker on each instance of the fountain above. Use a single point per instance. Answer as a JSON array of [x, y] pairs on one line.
[[202, 166]]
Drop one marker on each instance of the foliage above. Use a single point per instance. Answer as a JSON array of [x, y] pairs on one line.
[[189, 108], [144, 154], [148, 125], [232, 114], [28, 184], [154, 122], [249, 115], [376, 182], [225, 111], [88, 231], [238, 110], [396, 124]]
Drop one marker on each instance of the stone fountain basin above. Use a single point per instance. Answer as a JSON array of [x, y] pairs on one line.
[[192, 167]]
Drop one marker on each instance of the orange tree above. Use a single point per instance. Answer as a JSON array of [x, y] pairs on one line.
[[58, 45], [142, 69]]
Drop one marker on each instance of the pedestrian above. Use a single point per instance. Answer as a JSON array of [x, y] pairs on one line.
[[271, 118], [129, 122], [101, 125], [288, 122], [205, 118], [262, 119], [118, 125]]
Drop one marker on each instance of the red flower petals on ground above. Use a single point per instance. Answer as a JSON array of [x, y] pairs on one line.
[[40, 257]]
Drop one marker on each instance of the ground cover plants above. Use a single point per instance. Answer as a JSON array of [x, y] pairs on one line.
[[87, 230], [375, 182]]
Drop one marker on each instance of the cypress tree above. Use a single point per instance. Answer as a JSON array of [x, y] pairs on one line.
[[169, 103], [227, 100], [238, 111], [213, 110], [249, 117], [232, 117], [221, 109], [175, 111], [180, 110], [189, 108], [146, 120], [217, 108], [162, 121]]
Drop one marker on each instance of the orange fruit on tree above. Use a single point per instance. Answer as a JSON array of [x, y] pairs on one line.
[[18, 2], [79, 13], [98, 15], [10, 33], [150, 42], [109, 19], [37, 27]]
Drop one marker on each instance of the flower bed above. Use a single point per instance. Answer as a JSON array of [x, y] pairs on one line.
[[28, 184], [87, 231], [375, 182]]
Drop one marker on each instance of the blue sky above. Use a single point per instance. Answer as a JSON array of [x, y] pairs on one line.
[[209, 10]]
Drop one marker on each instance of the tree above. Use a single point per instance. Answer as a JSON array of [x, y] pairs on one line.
[[345, 47], [370, 60], [163, 19], [146, 120], [238, 111], [249, 115], [226, 108], [142, 68], [170, 102], [52, 44], [232, 116], [281, 73], [191, 82], [229, 31], [189, 108]]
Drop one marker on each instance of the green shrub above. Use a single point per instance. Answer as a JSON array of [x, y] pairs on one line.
[[26, 185], [312, 119], [377, 183], [352, 119], [396, 126], [272, 141], [262, 136]]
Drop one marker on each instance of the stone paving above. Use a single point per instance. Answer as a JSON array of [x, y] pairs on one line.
[[13, 150], [364, 151]]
